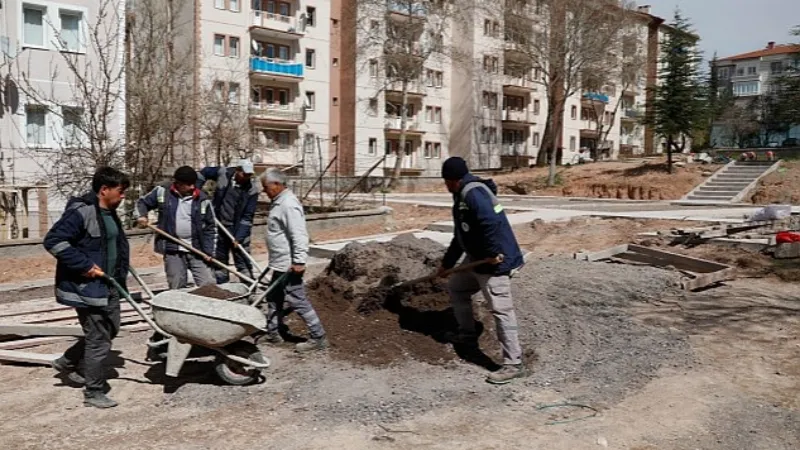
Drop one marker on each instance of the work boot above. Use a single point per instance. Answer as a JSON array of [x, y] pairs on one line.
[[268, 338], [312, 344], [507, 373], [98, 399], [64, 368]]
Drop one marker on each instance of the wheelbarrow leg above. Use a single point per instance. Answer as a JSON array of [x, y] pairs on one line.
[[176, 356]]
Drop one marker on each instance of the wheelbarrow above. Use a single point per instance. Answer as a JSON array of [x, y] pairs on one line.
[[187, 320]]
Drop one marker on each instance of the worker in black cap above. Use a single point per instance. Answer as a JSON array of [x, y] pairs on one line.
[[482, 231]]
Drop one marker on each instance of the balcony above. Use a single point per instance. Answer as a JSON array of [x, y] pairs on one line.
[[414, 89], [405, 8], [512, 84], [275, 154], [516, 116], [275, 70], [277, 114], [631, 115], [515, 149], [272, 25], [392, 126], [590, 99], [589, 129]]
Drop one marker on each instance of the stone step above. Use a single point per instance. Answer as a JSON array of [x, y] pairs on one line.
[[734, 178], [718, 189], [743, 171], [725, 186], [709, 198]]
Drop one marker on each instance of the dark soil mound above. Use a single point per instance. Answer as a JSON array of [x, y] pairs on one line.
[[215, 292], [369, 322]]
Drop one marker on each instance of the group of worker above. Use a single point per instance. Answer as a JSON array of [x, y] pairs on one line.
[[90, 246]]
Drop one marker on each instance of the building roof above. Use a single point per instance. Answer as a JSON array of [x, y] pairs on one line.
[[770, 50]]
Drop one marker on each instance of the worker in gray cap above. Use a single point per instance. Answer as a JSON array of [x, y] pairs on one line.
[[235, 201]]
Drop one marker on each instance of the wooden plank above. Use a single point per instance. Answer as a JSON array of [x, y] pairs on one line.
[[679, 261], [28, 357], [603, 254], [41, 330], [33, 342], [707, 279]]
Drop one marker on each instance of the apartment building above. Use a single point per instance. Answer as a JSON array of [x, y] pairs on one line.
[[36, 38], [749, 76]]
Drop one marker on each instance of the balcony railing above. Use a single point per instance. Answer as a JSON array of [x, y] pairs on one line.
[[272, 111], [414, 87], [407, 7], [518, 149], [516, 115], [518, 82], [273, 21], [632, 113], [595, 97], [277, 67], [393, 123]]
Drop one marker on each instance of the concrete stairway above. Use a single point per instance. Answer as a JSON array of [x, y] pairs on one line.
[[731, 183]]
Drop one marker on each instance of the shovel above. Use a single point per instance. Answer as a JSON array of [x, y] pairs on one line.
[[237, 245], [197, 252], [462, 268]]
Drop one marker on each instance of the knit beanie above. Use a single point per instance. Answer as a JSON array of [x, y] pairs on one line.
[[454, 168]]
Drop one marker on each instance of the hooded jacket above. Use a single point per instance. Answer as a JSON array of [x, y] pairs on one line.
[[482, 229], [204, 229], [78, 241]]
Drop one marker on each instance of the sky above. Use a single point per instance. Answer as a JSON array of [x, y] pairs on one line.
[[730, 27]]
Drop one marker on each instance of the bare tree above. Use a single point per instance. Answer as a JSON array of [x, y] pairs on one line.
[[159, 78], [397, 38], [740, 124], [224, 124], [91, 63], [568, 41]]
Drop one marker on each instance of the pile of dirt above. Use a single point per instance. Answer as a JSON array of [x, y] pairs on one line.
[[371, 323], [781, 186], [215, 292]]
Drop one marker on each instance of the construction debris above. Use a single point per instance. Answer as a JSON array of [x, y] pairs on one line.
[[697, 273]]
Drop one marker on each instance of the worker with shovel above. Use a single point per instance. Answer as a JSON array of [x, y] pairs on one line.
[[235, 201], [482, 232], [185, 212], [88, 241]]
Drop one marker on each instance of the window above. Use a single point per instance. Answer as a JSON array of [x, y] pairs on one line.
[[33, 26], [429, 77], [489, 135], [437, 114], [490, 100], [496, 29], [428, 152], [72, 124], [233, 47], [234, 5], [536, 139], [308, 142], [724, 73], [537, 106], [487, 27], [219, 4], [439, 79], [219, 91], [491, 64], [429, 114], [740, 71], [751, 70], [776, 67], [233, 93], [373, 68], [373, 106], [335, 101], [437, 150], [572, 143], [311, 58], [749, 88], [335, 62], [219, 45], [373, 147], [35, 125], [311, 100], [574, 112], [70, 31], [311, 16]]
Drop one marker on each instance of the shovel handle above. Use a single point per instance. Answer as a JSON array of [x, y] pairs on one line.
[[199, 253], [463, 267], [237, 245]]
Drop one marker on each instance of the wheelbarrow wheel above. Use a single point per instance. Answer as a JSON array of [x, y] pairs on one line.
[[235, 373]]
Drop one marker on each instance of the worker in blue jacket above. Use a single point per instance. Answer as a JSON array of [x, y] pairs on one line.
[[482, 232], [89, 242], [235, 201]]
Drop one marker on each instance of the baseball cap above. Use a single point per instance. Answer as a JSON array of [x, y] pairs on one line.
[[246, 165]]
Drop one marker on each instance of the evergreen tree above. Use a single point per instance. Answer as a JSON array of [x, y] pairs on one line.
[[680, 107]]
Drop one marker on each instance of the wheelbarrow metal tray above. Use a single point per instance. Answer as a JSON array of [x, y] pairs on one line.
[[204, 321]]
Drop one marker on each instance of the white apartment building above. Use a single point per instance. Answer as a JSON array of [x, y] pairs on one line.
[[750, 75], [35, 38], [273, 58]]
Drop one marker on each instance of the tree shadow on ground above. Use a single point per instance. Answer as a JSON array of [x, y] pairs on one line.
[[437, 324], [638, 171]]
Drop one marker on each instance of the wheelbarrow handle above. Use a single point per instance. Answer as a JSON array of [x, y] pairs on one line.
[[127, 296], [200, 254], [237, 245]]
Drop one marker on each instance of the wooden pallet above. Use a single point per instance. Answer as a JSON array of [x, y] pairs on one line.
[[697, 273]]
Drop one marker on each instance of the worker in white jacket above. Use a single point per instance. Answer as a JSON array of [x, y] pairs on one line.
[[287, 243]]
